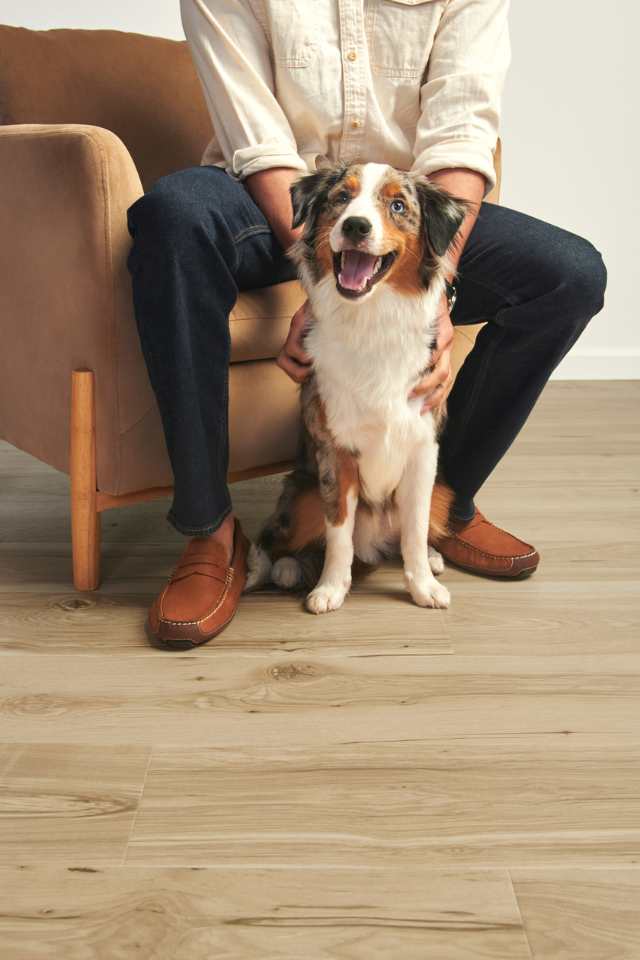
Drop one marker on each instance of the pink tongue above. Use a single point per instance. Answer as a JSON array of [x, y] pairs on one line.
[[356, 269]]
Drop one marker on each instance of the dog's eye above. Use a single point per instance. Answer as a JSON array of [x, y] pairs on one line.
[[397, 206], [343, 197]]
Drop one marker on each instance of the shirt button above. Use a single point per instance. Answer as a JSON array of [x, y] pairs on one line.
[[355, 124], [352, 55]]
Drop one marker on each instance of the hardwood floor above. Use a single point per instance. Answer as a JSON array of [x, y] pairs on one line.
[[384, 782]]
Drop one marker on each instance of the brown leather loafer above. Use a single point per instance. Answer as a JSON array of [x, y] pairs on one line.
[[482, 548], [202, 594]]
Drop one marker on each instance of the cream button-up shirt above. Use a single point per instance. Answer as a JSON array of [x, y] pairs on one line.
[[305, 83]]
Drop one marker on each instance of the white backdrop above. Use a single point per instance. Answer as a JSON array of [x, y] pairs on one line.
[[570, 132]]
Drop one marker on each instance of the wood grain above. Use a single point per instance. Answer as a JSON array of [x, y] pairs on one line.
[[580, 914], [61, 802], [475, 801], [404, 913], [544, 617], [230, 698]]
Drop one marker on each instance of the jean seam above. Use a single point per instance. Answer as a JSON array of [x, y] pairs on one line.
[[251, 232]]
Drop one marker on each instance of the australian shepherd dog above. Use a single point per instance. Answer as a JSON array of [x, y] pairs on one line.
[[372, 259]]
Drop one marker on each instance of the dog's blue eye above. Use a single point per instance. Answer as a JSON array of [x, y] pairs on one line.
[[397, 206], [343, 197]]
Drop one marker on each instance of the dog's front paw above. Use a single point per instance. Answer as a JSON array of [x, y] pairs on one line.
[[326, 597], [427, 592]]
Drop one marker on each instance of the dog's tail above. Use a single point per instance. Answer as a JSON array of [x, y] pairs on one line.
[[441, 502]]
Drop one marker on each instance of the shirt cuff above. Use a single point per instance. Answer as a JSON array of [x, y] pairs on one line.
[[264, 156], [458, 154]]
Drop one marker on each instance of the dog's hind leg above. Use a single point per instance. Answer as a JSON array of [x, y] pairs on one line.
[[435, 561], [286, 573], [258, 568]]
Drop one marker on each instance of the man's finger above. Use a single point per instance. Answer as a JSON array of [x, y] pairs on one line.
[[433, 380], [433, 399], [424, 387], [296, 350], [297, 371], [445, 332]]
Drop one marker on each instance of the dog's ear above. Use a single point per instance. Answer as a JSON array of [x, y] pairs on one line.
[[442, 215], [310, 190]]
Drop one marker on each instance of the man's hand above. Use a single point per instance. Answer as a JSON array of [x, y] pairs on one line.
[[435, 386], [293, 359]]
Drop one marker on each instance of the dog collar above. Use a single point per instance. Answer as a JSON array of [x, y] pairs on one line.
[[452, 294]]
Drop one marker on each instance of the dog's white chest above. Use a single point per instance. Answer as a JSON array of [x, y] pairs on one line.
[[366, 365]]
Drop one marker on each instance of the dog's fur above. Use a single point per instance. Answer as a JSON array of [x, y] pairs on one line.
[[365, 473]]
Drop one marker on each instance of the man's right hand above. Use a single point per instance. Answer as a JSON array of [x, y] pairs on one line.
[[293, 359]]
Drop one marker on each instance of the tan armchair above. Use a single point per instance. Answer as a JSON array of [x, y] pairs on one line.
[[89, 120]]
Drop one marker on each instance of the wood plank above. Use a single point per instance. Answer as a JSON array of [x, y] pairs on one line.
[[580, 914], [59, 802], [232, 699], [378, 619], [407, 914], [543, 617], [475, 801]]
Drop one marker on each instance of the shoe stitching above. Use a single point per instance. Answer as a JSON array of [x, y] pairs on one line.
[[185, 623], [492, 556]]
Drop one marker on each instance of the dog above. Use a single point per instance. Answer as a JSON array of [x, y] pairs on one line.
[[372, 259]]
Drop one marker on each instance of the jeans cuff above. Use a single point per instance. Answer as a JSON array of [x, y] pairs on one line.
[[202, 531]]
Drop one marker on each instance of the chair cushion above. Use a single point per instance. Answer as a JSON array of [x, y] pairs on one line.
[[260, 321], [144, 89]]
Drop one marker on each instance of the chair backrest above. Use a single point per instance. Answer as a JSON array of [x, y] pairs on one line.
[[144, 89]]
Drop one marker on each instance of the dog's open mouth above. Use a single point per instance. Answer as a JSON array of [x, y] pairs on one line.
[[356, 272]]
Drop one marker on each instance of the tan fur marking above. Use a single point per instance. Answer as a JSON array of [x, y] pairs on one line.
[[404, 275], [351, 183], [308, 522], [391, 189], [324, 254], [347, 480]]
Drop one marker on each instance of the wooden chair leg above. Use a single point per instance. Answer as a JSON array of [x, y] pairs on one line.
[[85, 519]]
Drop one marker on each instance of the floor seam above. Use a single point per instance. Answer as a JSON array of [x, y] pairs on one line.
[[520, 914], [137, 811]]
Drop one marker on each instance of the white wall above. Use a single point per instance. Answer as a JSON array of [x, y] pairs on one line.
[[571, 148], [570, 132]]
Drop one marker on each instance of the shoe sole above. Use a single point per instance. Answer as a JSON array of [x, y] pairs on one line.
[[181, 643], [521, 575]]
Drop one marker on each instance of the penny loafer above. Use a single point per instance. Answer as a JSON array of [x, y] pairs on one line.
[[480, 547], [202, 594]]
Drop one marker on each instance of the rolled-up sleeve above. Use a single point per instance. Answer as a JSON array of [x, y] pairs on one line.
[[231, 54], [462, 92]]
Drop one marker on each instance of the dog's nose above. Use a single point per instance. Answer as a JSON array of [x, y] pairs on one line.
[[355, 228]]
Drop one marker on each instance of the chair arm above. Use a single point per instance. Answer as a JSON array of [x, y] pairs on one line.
[[64, 287]]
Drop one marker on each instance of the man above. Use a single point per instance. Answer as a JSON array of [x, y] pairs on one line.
[[292, 85]]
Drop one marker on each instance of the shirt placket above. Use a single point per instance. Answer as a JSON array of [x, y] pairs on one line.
[[352, 46]]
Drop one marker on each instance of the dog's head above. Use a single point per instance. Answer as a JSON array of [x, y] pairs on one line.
[[367, 224]]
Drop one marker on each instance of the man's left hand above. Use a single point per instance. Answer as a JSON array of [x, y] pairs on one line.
[[435, 386]]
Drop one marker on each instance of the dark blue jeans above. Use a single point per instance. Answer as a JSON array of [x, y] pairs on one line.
[[198, 239]]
